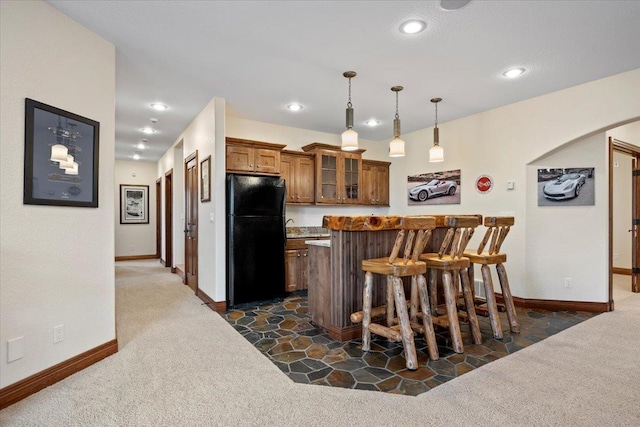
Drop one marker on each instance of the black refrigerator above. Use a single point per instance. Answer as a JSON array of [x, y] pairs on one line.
[[255, 238]]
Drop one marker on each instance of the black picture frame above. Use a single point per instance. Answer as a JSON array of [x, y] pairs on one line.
[[46, 182], [134, 204]]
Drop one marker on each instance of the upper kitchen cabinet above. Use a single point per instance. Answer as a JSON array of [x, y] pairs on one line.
[[253, 157], [338, 174], [298, 171], [375, 182]]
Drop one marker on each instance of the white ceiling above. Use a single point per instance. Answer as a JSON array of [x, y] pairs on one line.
[[262, 55]]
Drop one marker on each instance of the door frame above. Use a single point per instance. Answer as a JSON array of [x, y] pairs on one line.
[[158, 217], [191, 157], [634, 151], [168, 219]]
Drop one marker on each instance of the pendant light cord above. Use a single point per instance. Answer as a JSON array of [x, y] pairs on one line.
[[349, 105], [436, 114]]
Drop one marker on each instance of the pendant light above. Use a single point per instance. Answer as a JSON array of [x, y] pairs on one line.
[[349, 136], [396, 146], [436, 153]]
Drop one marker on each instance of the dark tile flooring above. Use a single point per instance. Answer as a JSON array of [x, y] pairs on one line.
[[285, 334]]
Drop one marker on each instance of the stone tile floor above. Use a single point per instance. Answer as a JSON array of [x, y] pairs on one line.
[[284, 333]]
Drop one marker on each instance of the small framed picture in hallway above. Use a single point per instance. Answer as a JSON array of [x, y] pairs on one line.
[[134, 204]]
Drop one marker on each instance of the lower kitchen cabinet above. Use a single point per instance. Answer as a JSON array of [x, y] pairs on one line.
[[296, 276]]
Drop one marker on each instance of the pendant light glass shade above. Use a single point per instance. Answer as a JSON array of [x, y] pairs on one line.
[[67, 163], [436, 153], [396, 148], [349, 136], [59, 153], [349, 140]]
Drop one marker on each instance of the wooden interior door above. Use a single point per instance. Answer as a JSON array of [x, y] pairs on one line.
[[168, 218], [191, 222], [158, 217], [635, 236]]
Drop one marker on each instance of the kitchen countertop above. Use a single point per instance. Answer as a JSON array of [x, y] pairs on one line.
[[306, 232], [374, 222], [325, 243]]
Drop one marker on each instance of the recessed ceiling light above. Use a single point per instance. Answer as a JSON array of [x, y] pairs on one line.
[[453, 4], [294, 107], [372, 122], [413, 26], [148, 130], [136, 156], [141, 146], [514, 72], [158, 106]]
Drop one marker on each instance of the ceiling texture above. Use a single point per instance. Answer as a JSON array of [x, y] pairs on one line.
[[263, 55]]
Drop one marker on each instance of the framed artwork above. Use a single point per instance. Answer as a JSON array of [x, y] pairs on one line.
[[205, 180], [566, 187], [61, 157], [134, 204], [434, 188]]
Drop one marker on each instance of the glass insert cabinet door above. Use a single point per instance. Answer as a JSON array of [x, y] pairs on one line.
[[329, 184], [351, 174]]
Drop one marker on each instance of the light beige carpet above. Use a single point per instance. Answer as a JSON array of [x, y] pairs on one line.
[[180, 364]]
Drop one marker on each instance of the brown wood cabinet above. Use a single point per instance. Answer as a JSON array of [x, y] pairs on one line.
[[375, 182], [298, 171], [295, 265], [253, 157], [338, 174]]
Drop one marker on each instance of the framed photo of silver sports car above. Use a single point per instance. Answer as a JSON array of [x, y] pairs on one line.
[[566, 186], [434, 188]]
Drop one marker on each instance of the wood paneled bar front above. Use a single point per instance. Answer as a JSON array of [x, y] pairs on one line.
[[335, 287]]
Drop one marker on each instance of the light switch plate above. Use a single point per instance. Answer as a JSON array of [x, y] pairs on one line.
[[511, 185]]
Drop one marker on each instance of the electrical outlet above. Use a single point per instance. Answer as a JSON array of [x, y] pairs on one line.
[[15, 349], [616, 256], [568, 282], [58, 334]]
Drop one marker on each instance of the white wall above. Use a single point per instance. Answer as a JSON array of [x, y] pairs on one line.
[[57, 264], [135, 239], [562, 241], [199, 136]]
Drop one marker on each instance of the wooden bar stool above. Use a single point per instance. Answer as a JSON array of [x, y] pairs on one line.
[[452, 264], [497, 230], [417, 231]]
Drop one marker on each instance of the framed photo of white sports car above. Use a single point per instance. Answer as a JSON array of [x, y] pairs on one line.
[[434, 188], [566, 186]]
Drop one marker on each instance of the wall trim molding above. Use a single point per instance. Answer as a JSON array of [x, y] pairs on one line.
[[620, 270], [43, 379], [555, 305], [217, 306], [136, 257]]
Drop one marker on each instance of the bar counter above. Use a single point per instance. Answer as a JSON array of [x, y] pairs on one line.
[[335, 276]]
